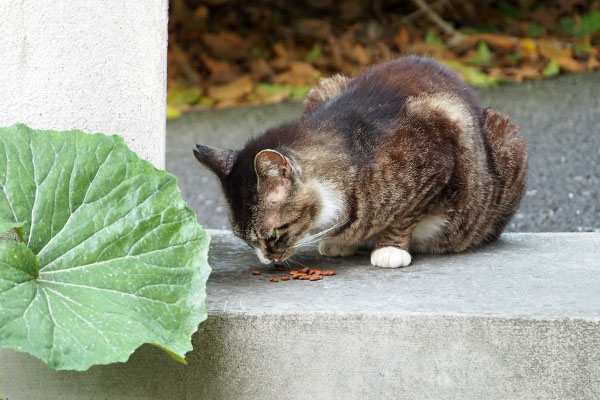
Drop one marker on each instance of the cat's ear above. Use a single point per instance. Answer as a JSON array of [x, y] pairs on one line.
[[274, 173], [219, 161], [272, 164]]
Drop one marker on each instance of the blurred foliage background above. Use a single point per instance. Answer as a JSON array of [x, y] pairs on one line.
[[224, 53]]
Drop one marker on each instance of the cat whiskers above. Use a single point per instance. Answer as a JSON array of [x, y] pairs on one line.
[[296, 262], [310, 239]]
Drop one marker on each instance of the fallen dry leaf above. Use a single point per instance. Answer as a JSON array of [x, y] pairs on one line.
[[552, 49], [569, 64], [201, 12], [501, 42], [314, 27], [267, 93], [527, 72], [220, 71], [291, 78], [300, 73], [302, 68], [280, 64], [431, 50], [212, 45], [280, 51], [225, 44], [232, 90], [529, 49], [360, 55], [261, 70], [402, 38], [384, 51]]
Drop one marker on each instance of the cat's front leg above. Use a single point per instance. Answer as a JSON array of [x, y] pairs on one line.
[[336, 248], [392, 248]]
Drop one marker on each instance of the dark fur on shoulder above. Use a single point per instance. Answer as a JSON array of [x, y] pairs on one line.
[[401, 158]]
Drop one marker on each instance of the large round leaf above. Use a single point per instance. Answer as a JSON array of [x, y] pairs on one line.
[[111, 257]]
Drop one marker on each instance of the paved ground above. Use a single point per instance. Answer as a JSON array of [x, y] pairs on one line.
[[560, 119]]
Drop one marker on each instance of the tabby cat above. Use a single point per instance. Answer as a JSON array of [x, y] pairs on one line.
[[398, 160]]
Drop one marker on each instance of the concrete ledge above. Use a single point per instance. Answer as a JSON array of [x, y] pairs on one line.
[[517, 319]]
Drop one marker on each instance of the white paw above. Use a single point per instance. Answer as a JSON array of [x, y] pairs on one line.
[[335, 249], [390, 257]]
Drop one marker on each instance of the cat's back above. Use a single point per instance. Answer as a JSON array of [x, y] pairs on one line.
[[380, 91]]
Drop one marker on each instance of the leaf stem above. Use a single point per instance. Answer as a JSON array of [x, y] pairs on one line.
[[19, 233]]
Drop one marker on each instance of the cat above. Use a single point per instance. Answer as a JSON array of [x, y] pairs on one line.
[[400, 159]]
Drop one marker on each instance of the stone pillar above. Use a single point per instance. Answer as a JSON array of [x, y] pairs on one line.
[[93, 65]]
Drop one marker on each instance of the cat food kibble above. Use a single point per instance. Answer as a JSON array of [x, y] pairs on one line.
[[304, 274]]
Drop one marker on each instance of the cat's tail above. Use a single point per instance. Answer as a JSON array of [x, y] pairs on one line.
[[508, 159]]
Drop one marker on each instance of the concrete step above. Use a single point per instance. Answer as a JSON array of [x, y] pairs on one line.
[[519, 319]]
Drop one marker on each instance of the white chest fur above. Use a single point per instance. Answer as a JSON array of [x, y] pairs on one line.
[[332, 204]]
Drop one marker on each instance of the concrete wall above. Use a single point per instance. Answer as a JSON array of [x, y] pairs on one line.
[[94, 65]]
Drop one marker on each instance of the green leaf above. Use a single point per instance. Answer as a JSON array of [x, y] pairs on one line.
[[19, 264], [112, 256], [515, 57], [298, 92], [508, 11], [483, 55], [177, 96], [551, 69], [473, 75], [256, 51], [589, 24], [567, 25], [431, 37], [206, 101], [314, 53], [533, 29], [173, 112], [6, 224], [583, 48], [273, 88]]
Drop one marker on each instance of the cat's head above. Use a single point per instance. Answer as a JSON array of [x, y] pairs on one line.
[[271, 208]]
